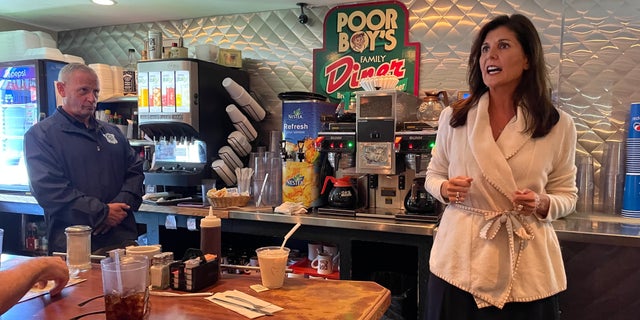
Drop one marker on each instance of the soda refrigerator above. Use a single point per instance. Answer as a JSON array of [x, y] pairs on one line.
[[27, 94]]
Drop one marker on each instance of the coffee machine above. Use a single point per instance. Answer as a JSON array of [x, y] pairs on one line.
[[339, 144], [415, 147], [378, 115], [181, 111]]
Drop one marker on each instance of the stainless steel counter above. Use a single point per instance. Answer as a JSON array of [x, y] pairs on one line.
[[592, 228], [589, 228]]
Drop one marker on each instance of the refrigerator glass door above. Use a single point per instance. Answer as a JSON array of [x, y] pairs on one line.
[[18, 112]]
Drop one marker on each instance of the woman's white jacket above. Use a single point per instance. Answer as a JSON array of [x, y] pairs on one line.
[[484, 245]]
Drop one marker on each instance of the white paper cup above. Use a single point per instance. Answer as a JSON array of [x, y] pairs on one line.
[[241, 123], [223, 171], [230, 158], [244, 99], [239, 143]]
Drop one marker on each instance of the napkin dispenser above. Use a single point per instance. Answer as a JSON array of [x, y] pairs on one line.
[[194, 273]]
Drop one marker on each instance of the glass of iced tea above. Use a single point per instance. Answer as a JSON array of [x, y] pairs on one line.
[[124, 282]]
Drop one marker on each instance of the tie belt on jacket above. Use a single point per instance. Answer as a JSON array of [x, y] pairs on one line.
[[513, 220]]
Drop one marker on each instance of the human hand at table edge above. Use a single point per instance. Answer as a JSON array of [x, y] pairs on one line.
[[117, 213], [18, 280]]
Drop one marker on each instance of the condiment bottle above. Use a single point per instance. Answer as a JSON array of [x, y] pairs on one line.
[[78, 248], [129, 74], [211, 234], [159, 272]]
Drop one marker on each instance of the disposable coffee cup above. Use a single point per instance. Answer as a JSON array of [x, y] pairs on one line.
[[154, 50], [241, 123], [238, 141], [223, 171], [273, 264], [126, 294], [230, 158], [244, 99]]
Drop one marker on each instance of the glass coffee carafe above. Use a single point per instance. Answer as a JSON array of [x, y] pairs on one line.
[[418, 200], [431, 107]]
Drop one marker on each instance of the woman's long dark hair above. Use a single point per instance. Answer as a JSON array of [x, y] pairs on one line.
[[532, 93]]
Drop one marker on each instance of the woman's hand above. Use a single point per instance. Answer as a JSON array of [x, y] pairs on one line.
[[528, 202], [456, 189]]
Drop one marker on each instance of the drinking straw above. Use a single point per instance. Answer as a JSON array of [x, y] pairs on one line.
[[264, 183], [116, 257], [286, 237]]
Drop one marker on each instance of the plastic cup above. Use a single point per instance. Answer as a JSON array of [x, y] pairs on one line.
[[273, 263], [1, 237], [126, 295]]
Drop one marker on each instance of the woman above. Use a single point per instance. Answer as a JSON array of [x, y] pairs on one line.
[[504, 162]]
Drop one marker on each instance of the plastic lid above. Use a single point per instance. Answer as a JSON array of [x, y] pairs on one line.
[[77, 229]]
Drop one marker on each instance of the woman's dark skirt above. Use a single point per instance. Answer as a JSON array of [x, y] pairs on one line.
[[447, 302]]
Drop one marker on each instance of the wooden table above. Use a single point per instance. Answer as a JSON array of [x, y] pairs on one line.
[[301, 299]]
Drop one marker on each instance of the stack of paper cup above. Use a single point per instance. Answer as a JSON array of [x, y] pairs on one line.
[[241, 123], [239, 143], [230, 158], [223, 171], [244, 99], [631, 202]]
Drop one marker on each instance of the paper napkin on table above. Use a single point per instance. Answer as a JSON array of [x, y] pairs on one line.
[[36, 292], [266, 306], [291, 208]]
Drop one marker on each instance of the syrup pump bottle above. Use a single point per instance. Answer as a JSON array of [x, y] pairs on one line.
[[211, 234]]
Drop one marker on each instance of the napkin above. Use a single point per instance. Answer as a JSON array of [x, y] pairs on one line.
[[36, 292], [291, 208], [266, 306]]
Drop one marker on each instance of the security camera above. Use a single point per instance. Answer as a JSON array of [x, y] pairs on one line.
[[302, 18]]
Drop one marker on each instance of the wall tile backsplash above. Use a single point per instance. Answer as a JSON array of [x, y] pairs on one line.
[[592, 50]]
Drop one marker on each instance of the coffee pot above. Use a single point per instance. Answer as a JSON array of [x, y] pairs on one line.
[[431, 107], [343, 195], [418, 200]]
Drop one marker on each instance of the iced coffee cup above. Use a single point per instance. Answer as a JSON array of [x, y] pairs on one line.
[[273, 263], [125, 287]]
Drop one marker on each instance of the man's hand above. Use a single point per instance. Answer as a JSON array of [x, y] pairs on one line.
[[117, 213]]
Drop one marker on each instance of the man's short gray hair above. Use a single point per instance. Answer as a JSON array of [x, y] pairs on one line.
[[67, 70]]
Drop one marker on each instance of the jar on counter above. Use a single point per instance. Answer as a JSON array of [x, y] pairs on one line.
[[160, 272], [78, 248]]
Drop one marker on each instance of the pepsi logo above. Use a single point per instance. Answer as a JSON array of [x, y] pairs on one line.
[[636, 126]]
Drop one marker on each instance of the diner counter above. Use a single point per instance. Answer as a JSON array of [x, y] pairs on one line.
[[300, 299], [590, 228]]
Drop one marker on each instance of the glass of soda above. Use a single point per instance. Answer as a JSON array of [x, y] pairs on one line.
[[124, 280]]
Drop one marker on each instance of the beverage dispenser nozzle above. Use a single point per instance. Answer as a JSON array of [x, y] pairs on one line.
[[301, 150], [283, 150]]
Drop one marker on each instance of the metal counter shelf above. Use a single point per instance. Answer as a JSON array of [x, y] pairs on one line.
[[342, 222]]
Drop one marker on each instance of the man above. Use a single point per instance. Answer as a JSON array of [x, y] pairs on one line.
[[83, 171], [17, 281]]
